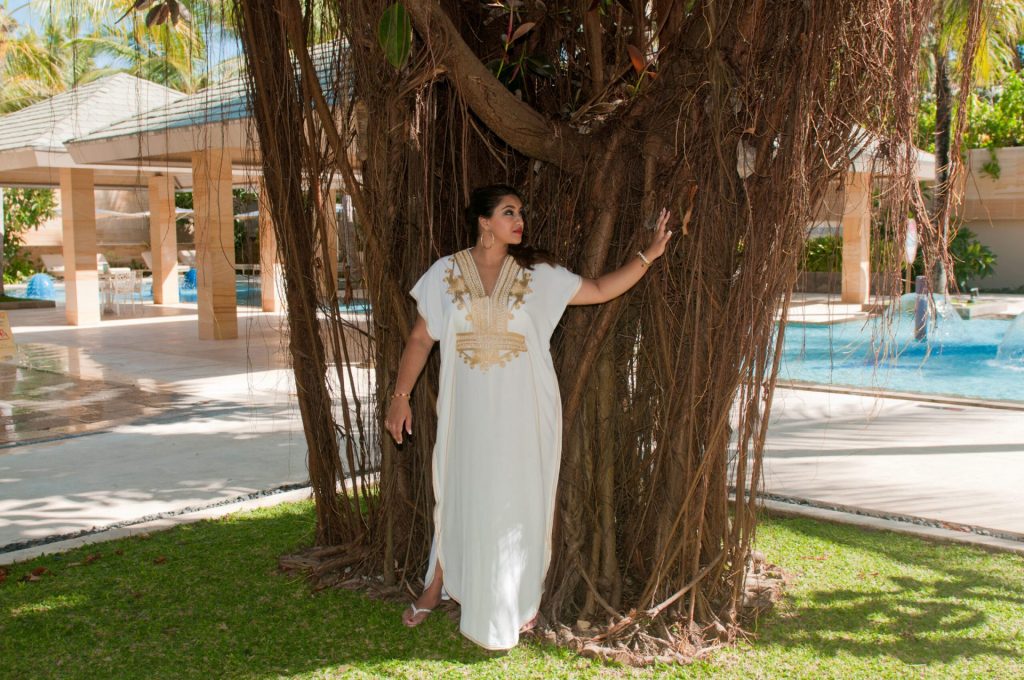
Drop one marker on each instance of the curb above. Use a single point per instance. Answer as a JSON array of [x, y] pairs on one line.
[[27, 304], [166, 521], [773, 508], [992, 543]]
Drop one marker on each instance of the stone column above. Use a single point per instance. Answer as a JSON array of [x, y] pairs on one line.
[[856, 288], [163, 239], [271, 283], [78, 215], [215, 244]]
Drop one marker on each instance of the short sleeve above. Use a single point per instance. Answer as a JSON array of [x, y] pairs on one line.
[[429, 301], [559, 286]]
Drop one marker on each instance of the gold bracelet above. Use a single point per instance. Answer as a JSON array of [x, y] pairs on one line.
[[644, 262], [406, 395]]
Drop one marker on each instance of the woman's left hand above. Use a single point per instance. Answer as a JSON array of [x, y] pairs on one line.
[[657, 247]]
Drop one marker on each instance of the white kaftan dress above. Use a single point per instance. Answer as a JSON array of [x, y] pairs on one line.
[[499, 437]]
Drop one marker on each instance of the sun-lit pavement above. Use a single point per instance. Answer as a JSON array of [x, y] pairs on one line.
[[952, 462], [137, 418]]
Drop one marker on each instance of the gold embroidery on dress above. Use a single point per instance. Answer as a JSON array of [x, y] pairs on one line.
[[490, 342], [457, 287]]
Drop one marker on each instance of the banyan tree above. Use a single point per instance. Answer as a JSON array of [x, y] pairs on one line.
[[738, 116]]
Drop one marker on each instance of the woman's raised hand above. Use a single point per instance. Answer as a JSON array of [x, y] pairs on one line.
[[661, 236], [399, 418]]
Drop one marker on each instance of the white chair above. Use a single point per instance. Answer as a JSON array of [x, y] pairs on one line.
[[53, 264], [147, 257], [120, 289]]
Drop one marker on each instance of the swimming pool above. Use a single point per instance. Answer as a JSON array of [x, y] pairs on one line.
[[247, 293], [961, 361]]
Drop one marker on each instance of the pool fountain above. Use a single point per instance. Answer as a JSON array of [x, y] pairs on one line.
[[1011, 350], [914, 347], [40, 287]]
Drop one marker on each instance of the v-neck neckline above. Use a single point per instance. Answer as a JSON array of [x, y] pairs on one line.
[[475, 273]]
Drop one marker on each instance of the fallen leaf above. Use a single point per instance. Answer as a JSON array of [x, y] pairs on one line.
[[3, 574], [92, 558], [816, 558], [35, 575], [160, 560], [119, 552]]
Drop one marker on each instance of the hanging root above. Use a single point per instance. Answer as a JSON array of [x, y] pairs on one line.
[[741, 117]]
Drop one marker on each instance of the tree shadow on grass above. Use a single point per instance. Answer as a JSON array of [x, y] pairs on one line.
[[912, 600], [207, 600]]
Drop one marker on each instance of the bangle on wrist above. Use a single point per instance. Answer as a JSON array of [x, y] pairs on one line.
[[644, 262], [404, 395]]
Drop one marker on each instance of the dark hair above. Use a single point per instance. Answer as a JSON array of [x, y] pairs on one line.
[[482, 203]]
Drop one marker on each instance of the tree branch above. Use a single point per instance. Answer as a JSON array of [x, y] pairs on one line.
[[515, 121]]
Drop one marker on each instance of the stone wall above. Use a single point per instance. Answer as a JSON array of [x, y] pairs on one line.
[[993, 208]]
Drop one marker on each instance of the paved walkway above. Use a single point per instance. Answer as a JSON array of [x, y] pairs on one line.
[[229, 427], [221, 424], [949, 462]]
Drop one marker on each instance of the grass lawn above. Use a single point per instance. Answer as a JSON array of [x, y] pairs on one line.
[[206, 601]]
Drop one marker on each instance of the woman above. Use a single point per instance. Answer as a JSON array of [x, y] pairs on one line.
[[493, 308]]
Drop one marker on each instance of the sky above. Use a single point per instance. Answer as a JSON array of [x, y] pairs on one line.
[[220, 47]]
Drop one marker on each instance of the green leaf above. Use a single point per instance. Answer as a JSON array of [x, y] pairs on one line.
[[394, 33]]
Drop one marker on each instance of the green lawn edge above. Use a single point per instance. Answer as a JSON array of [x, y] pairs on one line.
[[206, 600]]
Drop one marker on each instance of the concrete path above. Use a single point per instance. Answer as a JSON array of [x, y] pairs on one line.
[[234, 432], [949, 462], [231, 429]]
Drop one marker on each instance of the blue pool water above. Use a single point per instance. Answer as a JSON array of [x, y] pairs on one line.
[[962, 359], [247, 293]]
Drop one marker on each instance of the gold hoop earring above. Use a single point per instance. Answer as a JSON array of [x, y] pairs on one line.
[[487, 247]]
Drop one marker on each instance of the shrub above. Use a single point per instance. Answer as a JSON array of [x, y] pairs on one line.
[[994, 120], [24, 209], [823, 254], [972, 260]]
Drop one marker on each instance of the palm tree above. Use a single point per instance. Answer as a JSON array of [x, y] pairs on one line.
[[81, 41], [1001, 28]]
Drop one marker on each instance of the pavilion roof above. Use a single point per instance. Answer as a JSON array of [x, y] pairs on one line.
[[216, 116], [46, 125], [220, 103]]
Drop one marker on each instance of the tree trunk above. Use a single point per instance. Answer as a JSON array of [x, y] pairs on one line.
[[3, 233], [943, 130], [667, 389]]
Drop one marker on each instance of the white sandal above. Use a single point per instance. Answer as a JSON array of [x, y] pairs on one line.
[[416, 611]]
